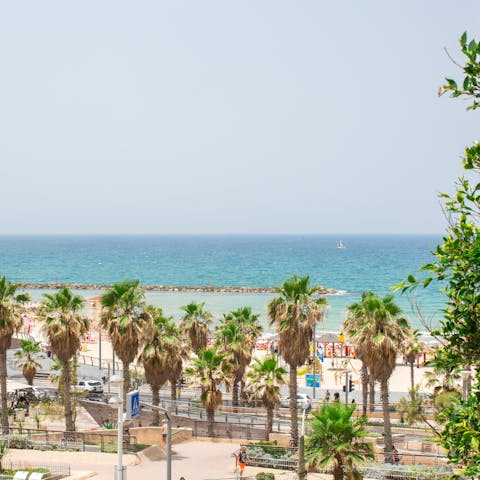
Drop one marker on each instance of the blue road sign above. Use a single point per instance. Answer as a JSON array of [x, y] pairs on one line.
[[133, 405], [309, 380]]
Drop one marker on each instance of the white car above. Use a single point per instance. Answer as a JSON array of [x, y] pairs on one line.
[[303, 401], [92, 386]]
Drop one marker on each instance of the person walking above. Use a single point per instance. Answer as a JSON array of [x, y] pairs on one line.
[[242, 459]]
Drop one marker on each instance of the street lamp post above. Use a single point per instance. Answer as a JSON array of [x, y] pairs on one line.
[[117, 401], [169, 435]]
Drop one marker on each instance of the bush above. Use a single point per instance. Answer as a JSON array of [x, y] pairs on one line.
[[264, 476]]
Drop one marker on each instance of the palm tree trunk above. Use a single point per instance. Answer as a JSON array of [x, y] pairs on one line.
[[371, 393], [387, 429], [126, 381], [173, 390], [412, 375], [293, 407], [156, 402], [210, 419], [364, 377], [235, 393], [338, 469], [3, 391], [243, 394], [269, 419], [67, 397]]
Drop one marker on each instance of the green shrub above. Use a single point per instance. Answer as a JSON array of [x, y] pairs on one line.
[[264, 476]]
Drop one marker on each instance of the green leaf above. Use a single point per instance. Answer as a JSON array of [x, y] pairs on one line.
[[451, 83], [411, 279], [463, 39]]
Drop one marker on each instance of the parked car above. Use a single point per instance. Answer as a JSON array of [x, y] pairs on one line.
[[95, 397], [303, 401], [45, 393], [92, 386]]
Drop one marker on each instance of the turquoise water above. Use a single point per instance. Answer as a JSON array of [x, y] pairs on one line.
[[367, 262]]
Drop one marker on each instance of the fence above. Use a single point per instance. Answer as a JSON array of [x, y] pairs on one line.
[[194, 409], [230, 430], [416, 459], [386, 471], [278, 476], [271, 456], [54, 468], [58, 440]]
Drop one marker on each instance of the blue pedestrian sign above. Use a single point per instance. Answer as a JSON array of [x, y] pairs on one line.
[[320, 352], [133, 405], [309, 380]]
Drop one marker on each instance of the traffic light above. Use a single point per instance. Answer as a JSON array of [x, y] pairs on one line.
[[351, 386], [344, 388]]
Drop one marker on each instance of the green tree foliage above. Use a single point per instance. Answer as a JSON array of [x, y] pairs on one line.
[[295, 312], [337, 440], [124, 318], [461, 436], [263, 383], [379, 333], [10, 321], [26, 358], [209, 371], [457, 265]]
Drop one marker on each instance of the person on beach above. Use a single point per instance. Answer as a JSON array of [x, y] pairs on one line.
[[327, 396], [163, 432], [242, 460]]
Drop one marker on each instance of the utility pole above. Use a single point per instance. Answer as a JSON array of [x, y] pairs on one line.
[[346, 386], [166, 412]]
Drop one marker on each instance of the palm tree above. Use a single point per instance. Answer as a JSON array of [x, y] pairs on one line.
[[263, 383], [26, 358], [336, 438], [444, 374], [195, 324], [208, 371], [294, 314], [380, 338], [10, 321], [124, 318], [153, 359], [64, 328], [411, 349], [250, 325], [232, 342]]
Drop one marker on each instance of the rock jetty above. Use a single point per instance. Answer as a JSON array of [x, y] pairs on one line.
[[168, 288]]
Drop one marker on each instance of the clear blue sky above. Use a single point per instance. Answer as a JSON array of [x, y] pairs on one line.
[[247, 116]]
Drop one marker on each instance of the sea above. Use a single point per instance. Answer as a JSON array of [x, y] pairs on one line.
[[368, 262]]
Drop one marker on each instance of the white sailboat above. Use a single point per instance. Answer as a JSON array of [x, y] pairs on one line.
[[340, 244]]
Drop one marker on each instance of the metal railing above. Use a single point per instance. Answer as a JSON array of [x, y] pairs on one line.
[[230, 430], [386, 471], [54, 468], [272, 456], [59, 440], [407, 458]]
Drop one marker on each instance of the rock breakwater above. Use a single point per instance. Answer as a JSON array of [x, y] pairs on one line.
[[167, 288]]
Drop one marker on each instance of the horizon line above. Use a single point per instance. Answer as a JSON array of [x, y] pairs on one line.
[[219, 234]]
